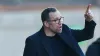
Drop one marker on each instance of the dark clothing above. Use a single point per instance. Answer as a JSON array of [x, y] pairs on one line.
[[38, 44], [94, 49], [56, 45]]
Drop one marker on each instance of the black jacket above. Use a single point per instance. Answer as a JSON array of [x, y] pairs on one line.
[[37, 45]]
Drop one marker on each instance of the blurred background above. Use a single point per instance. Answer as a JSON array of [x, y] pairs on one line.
[[22, 18]]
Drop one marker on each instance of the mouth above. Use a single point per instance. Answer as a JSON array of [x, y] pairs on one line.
[[60, 27]]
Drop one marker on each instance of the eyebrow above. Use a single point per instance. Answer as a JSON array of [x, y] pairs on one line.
[[60, 17]]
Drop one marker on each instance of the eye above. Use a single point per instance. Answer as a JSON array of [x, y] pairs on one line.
[[55, 20]]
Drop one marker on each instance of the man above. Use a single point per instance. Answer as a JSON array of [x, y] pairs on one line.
[[55, 38], [94, 48]]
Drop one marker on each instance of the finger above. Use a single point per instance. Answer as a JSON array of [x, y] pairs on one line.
[[88, 7]]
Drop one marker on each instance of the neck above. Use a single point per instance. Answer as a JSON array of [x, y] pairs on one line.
[[48, 32]]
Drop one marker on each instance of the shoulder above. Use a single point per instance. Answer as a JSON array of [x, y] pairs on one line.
[[95, 45], [34, 37], [93, 49], [65, 28]]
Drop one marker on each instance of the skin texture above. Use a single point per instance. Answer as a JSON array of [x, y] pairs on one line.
[[52, 27]]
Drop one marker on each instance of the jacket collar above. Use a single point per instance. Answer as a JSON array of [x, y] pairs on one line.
[[66, 37]]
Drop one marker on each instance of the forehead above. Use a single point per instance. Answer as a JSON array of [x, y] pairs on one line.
[[56, 14]]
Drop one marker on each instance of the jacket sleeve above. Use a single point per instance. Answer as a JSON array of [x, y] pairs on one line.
[[86, 33], [30, 49]]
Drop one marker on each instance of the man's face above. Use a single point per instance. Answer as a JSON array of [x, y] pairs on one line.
[[55, 22]]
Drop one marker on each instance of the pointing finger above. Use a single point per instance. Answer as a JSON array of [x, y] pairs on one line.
[[87, 9]]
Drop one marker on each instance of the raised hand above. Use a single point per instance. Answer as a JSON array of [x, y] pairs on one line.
[[88, 15]]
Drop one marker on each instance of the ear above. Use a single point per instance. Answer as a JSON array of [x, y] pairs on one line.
[[46, 23]]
